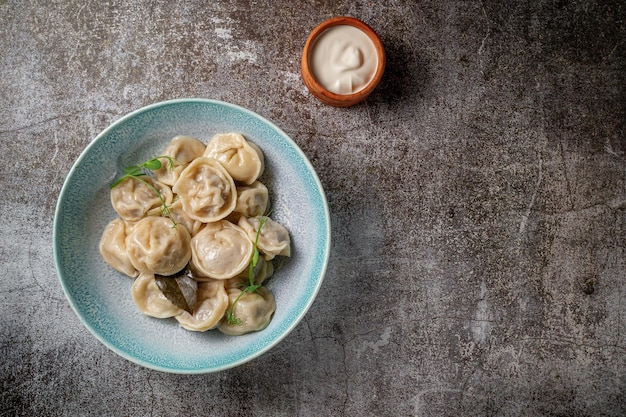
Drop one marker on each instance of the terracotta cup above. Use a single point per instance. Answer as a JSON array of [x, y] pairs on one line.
[[328, 97]]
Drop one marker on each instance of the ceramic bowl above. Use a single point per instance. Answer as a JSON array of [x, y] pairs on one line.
[[308, 75], [101, 297]]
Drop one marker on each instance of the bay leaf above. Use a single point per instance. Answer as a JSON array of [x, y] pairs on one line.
[[181, 289]]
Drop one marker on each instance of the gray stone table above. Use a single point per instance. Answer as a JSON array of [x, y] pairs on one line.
[[478, 204]]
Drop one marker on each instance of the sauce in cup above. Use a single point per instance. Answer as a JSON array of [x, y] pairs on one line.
[[343, 61]]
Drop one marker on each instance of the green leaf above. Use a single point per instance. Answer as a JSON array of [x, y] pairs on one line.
[[152, 164], [133, 170]]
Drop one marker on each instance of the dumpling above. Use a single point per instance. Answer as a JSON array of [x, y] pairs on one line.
[[183, 149], [211, 305], [206, 190], [252, 200], [273, 239], [254, 309], [150, 299], [113, 247], [134, 200], [155, 246], [180, 216], [243, 160], [261, 272], [221, 250]]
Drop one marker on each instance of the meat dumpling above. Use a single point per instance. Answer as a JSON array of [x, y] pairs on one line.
[[151, 300], [113, 247], [134, 200], [252, 200], [155, 246], [211, 304], [243, 160], [183, 150], [261, 272], [254, 309], [221, 250], [273, 239], [180, 216], [206, 190]]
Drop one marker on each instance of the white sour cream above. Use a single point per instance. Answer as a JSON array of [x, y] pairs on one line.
[[343, 59]]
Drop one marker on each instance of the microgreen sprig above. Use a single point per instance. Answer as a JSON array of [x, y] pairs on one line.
[[251, 287], [137, 171]]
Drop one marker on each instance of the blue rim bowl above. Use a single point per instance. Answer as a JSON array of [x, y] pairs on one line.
[[101, 296]]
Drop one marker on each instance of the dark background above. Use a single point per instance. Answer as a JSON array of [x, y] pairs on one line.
[[478, 204]]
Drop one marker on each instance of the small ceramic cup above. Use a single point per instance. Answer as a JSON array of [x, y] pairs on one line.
[[308, 75]]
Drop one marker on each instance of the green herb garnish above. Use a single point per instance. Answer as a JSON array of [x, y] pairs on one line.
[[137, 171], [251, 287]]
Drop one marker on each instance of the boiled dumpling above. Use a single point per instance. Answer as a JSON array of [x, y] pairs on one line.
[[206, 190], [252, 200], [254, 309], [211, 304], [150, 299], [243, 160], [221, 250], [261, 272], [183, 150], [134, 200], [273, 239], [113, 247], [180, 216], [155, 246]]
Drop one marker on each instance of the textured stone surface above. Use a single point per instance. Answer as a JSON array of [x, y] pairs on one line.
[[478, 201]]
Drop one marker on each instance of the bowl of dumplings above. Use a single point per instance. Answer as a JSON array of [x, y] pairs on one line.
[[191, 236]]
